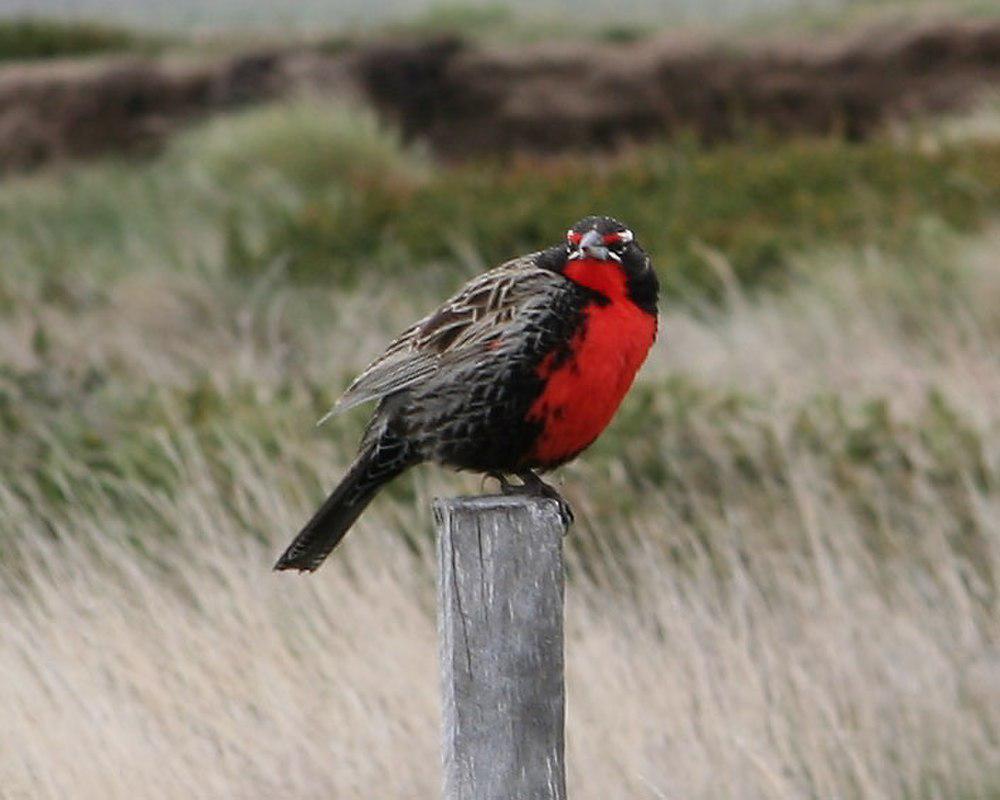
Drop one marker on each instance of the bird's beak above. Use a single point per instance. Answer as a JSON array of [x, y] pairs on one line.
[[592, 246]]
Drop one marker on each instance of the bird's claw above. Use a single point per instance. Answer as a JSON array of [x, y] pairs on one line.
[[535, 486], [565, 512]]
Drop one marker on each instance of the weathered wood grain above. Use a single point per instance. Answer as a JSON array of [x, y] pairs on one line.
[[500, 593]]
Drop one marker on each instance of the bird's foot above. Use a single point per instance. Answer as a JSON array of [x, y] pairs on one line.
[[535, 486]]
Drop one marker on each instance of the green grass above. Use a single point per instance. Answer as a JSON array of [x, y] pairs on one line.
[[499, 22], [310, 147], [748, 208], [38, 38], [326, 195], [55, 29]]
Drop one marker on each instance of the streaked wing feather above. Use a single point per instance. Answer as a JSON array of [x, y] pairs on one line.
[[391, 375], [467, 322]]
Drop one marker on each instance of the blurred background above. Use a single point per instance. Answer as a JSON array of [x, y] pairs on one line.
[[783, 580]]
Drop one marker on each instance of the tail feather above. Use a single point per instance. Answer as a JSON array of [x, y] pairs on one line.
[[375, 466]]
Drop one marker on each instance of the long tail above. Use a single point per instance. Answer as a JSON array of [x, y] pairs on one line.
[[376, 465]]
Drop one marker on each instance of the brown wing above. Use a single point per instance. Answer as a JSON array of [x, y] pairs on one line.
[[466, 324]]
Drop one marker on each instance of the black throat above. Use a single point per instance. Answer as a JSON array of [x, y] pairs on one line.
[[640, 278]]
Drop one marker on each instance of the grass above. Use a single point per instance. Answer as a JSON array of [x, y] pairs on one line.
[[777, 200], [783, 581], [25, 38], [516, 19], [737, 24], [50, 29], [305, 188], [503, 22], [307, 145]]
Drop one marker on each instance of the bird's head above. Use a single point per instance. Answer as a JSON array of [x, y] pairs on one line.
[[600, 238], [596, 245]]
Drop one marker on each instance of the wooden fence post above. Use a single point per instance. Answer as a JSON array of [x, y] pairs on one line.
[[500, 617]]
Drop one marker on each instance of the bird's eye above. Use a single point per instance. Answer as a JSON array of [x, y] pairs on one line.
[[618, 238]]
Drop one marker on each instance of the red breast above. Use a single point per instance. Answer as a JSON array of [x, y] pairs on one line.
[[583, 391]]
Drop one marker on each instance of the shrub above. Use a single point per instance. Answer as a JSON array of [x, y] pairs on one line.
[[32, 38], [743, 209]]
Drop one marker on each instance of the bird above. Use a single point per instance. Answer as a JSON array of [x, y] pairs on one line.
[[515, 375]]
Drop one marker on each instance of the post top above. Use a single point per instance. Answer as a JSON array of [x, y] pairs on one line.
[[490, 502]]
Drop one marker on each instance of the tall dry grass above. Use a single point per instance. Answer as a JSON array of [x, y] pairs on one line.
[[748, 615]]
